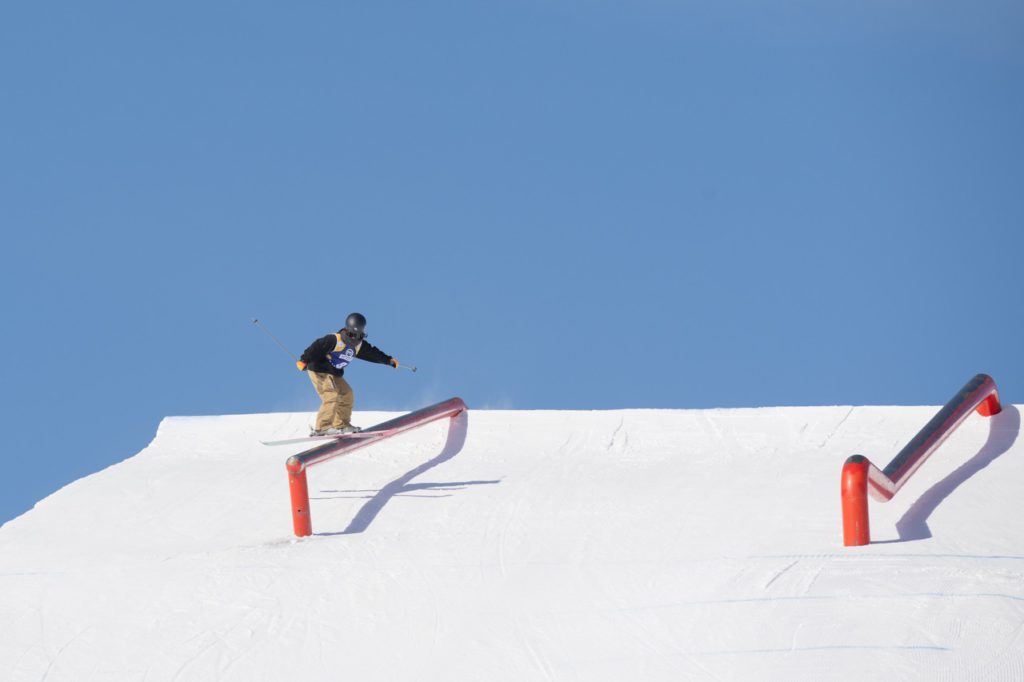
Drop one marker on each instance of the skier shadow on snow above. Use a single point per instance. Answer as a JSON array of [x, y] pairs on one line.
[[453, 445], [1003, 432]]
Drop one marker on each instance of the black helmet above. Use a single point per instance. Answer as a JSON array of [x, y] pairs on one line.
[[355, 325]]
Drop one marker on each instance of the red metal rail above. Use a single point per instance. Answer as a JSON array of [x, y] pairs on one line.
[[297, 464], [860, 476]]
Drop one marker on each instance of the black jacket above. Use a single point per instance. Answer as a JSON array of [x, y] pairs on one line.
[[315, 356]]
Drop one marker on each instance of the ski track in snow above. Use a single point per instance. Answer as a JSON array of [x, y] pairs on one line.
[[836, 429], [637, 544]]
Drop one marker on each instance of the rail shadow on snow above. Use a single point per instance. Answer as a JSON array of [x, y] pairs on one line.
[[1003, 432], [453, 445], [370, 493]]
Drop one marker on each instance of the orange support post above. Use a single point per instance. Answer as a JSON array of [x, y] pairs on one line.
[[861, 477], [856, 527], [299, 490], [990, 406], [302, 521]]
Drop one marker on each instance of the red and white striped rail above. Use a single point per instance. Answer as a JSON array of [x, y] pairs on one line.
[[861, 477], [297, 464]]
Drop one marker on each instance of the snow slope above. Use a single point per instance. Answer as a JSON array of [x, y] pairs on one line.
[[623, 545]]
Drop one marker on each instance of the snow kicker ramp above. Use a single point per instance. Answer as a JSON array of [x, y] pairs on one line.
[[624, 545]]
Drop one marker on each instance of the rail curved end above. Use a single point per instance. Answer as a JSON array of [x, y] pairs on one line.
[[990, 405]]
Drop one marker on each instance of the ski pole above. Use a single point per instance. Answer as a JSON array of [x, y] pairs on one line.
[[258, 324], [408, 367]]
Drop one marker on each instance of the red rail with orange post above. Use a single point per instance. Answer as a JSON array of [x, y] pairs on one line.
[[297, 464], [860, 477]]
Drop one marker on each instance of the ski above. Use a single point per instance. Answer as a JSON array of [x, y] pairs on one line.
[[308, 439]]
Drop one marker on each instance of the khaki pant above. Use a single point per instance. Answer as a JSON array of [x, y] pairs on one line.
[[337, 398]]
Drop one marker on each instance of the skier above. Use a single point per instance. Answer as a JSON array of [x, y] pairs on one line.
[[325, 361]]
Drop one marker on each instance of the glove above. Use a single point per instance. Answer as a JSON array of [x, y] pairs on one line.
[[301, 365], [393, 362]]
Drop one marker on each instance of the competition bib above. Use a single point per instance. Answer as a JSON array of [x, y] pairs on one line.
[[341, 355]]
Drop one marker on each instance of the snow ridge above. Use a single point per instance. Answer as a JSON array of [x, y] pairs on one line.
[[538, 545]]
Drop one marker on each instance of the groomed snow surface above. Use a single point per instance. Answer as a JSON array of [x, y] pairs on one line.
[[620, 545]]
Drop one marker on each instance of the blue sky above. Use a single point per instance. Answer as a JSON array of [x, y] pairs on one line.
[[580, 205]]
